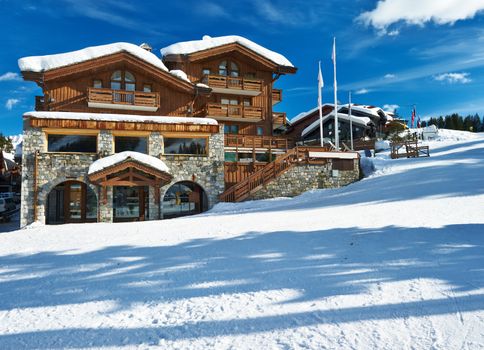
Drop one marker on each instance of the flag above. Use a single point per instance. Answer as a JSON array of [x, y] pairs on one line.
[[320, 101], [418, 122], [413, 116], [320, 83]]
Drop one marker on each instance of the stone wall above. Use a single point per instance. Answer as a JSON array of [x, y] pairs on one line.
[[303, 178], [55, 168]]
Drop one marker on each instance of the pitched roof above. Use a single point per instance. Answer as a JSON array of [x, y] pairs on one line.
[[45, 63], [117, 158], [207, 42]]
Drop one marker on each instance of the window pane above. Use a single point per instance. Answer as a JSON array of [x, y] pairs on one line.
[[224, 101], [230, 157], [146, 88], [128, 77], [185, 146], [97, 84], [260, 130], [135, 144], [130, 87], [75, 197], [72, 143], [205, 71], [115, 85], [262, 157], [116, 76], [247, 102]]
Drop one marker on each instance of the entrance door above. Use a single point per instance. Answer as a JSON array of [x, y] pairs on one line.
[[130, 203], [71, 202]]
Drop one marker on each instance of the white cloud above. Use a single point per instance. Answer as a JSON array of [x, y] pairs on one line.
[[419, 12], [11, 102], [362, 91], [390, 108], [9, 76], [451, 78], [389, 76]]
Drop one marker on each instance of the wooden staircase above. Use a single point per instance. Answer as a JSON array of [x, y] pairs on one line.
[[295, 156]]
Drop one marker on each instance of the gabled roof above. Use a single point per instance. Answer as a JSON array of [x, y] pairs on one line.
[[40, 64], [208, 43], [363, 121], [110, 161]]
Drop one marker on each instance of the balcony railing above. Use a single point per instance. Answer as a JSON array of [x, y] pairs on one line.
[[278, 119], [276, 96], [234, 112], [238, 85], [120, 99], [252, 141]]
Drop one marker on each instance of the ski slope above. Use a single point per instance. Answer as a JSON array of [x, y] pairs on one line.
[[395, 261]]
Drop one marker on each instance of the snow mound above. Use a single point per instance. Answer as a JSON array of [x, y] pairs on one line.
[[117, 158], [122, 118], [45, 63], [207, 42], [180, 74]]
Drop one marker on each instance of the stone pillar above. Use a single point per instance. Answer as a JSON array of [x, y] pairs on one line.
[[153, 208], [105, 143], [105, 205], [155, 144], [33, 141]]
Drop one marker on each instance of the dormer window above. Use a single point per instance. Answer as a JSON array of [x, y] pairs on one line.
[[228, 68], [123, 80]]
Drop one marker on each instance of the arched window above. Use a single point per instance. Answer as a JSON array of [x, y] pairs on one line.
[[184, 198], [123, 80], [226, 68]]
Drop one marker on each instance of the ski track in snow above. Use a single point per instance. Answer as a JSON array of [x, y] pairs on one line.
[[394, 261]]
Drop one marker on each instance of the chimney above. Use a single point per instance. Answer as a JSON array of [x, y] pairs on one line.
[[146, 46]]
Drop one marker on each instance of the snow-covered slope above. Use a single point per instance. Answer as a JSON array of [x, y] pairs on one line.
[[394, 261]]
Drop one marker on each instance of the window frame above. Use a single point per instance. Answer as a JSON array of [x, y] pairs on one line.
[[146, 137], [60, 133], [206, 138]]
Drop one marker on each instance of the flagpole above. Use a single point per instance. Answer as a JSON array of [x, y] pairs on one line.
[[351, 123], [336, 128], [320, 103]]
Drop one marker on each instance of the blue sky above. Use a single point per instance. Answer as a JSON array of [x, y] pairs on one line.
[[391, 52]]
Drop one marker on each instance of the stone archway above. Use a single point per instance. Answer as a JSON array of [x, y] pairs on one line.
[[184, 198], [70, 202]]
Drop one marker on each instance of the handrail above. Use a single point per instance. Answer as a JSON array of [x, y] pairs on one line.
[[228, 82], [137, 98], [242, 190], [251, 141]]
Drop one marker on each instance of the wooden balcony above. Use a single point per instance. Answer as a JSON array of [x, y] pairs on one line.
[[234, 112], [252, 141], [278, 119], [276, 96], [233, 85], [120, 99]]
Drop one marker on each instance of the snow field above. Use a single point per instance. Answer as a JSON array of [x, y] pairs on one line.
[[391, 262]]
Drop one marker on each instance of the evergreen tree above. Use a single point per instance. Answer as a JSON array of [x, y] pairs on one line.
[[6, 143]]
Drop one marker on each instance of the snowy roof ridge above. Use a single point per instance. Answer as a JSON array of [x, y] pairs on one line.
[[117, 158], [121, 118], [303, 115], [357, 120], [207, 42], [49, 62]]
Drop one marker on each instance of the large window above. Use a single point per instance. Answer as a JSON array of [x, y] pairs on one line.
[[228, 68], [184, 198], [195, 146], [231, 129], [123, 80], [72, 143], [129, 143]]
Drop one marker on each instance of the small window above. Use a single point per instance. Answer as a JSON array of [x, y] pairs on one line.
[[247, 102], [98, 84], [231, 129], [230, 157], [234, 69], [222, 68], [229, 101], [260, 130], [262, 157], [188, 146], [72, 143], [147, 88], [129, 143], [205, 71]]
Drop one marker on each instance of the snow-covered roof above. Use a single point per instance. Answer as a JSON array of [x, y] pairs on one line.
[[207, 42], [180, 74], [121, 118], [45, 63], [363, 121], [117, 158], [303, 115]]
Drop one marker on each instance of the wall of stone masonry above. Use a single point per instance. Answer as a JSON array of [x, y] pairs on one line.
[[303, 178], [55, 168]]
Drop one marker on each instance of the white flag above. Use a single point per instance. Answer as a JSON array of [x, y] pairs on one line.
[[320, 83]]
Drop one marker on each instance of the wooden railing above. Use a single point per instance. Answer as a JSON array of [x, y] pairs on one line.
[[234, 111], [136, 98], [412, 150], [276, 96], [250, 141], [224, 82], [278, 118], [243, 189]]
